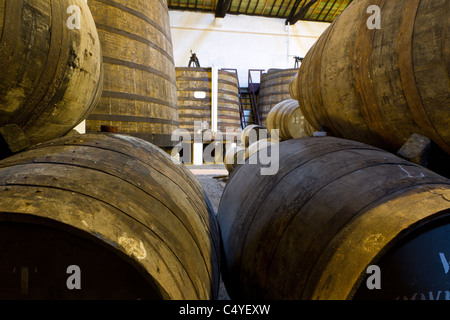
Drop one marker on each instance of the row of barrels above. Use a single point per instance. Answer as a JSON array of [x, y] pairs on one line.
[[140, 226], [120, 208], [344, 217], [110, 62]]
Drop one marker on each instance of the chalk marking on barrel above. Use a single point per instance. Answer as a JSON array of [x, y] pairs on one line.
[[421, 175], [133, 246]]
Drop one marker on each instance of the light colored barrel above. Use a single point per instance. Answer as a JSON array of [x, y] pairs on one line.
[[139, 96], [274, 89], [234, 157], [50, 66], [253, 133], [194, 99], [287, 117], [293, 88], [334, 208], [380, 86], [137, 224]]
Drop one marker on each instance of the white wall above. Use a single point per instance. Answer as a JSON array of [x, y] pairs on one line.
[[240, 42]]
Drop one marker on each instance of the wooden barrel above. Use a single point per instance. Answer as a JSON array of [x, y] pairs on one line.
[[274, 89], [334, 208], [99, 200], [233, 157], [194, 99], [380, 86], [257, 146], [139, 96], [293, 87], [51, 69], [287, 117], [253, 133]]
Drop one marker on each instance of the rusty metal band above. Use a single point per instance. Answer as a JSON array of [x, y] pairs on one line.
[[361, 57], [138, 97], [50, 84], [11, 26], [317, 79], [134, 37], [139, 15], [205, 79], [125, 118], [141, 67], [409, 84]]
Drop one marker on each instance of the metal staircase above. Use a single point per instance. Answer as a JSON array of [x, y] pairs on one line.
[[248, 100]]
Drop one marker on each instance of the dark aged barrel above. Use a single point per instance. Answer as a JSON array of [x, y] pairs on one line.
[[50, 66], [137, 224], [194, 99], [334, 208], [380, 86], [287, 117], [139, 94], [274, 89]]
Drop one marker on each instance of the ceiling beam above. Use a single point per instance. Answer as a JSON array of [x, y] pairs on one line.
[[301, 14], [222, 8], [294, 8]]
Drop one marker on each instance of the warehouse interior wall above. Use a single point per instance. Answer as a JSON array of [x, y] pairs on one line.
[[240, 42]]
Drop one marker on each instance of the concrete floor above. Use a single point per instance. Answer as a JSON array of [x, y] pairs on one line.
[[213, 180]]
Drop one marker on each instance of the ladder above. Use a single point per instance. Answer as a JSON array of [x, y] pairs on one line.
[[248, 106]]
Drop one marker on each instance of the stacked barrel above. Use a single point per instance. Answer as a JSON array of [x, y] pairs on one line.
[[139, 96], [97, 215], [344, 213], [380, 86], [273, 90], [194, 92], [51, 68]]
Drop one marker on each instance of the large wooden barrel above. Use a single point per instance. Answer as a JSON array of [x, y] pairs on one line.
[[293, 88], [50, 66], [139, 96], [334, 208], [274, 89], [287, 117], [253, 133], [137, 224], [234, 156], [194, 99], [380, 86]]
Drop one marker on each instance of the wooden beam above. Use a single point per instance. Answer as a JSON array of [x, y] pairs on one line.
[[301, 14], [293, 10], [222, 8]]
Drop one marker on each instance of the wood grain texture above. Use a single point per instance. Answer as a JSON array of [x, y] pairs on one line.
[[274, 89], [311, 230], [51, 74], [130, 196], [287, 117], [191, 109], [139, 95], [380, 86]]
